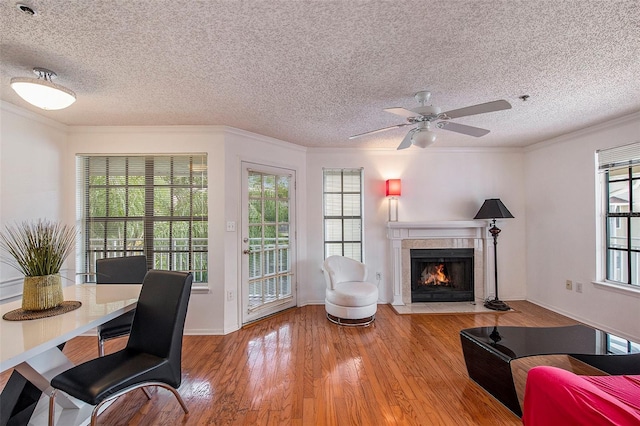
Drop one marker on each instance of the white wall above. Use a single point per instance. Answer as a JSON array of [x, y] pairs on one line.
[[31, 176], [437, 184], [210, 312], [561, 228]]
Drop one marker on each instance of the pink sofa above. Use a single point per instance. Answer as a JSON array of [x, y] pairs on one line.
[[558, 397]]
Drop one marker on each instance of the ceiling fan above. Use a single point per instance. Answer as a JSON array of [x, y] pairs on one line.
[[422, 136]]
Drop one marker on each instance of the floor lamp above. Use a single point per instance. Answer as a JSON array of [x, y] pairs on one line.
[[494, 209]]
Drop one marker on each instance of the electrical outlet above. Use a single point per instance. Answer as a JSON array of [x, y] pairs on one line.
[[231, 226], [569, 285], [230, 295], [579, 287], [378, 276]]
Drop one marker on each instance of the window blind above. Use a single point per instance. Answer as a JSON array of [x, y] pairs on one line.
[[342, 191], [154, 205], [621, 156]]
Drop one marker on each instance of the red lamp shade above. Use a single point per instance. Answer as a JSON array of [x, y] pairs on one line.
[[394, 188]]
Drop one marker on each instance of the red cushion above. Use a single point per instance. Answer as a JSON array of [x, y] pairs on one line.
[[558, 397]]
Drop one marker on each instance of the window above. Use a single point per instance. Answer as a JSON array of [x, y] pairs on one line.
[[618, 345], [621, 205], [153, 205], [342, 203]]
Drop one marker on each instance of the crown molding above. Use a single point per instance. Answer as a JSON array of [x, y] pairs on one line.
[[7, 107], [626, 119]]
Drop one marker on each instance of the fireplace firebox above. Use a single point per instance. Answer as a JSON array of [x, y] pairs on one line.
[[442, 275]]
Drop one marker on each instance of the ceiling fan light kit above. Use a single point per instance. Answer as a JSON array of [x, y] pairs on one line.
[[42, 91], [424, 115]]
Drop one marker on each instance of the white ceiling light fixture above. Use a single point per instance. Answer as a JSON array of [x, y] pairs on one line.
[[423, 137], [42, 92]]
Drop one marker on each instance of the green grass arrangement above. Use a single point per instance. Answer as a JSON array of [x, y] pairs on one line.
[[37, 248]]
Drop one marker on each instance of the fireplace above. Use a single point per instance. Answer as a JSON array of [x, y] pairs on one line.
[[442, 275], [456, 234]]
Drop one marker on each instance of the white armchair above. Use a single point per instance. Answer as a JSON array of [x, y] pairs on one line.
[[350, 300]]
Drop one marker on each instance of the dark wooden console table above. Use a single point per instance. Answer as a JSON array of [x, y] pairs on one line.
[[488, 352]]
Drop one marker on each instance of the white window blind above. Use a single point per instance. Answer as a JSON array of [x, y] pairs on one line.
[[342, 192], [621, 156], [154, 205]]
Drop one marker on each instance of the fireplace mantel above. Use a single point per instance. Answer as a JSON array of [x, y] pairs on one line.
[[437, 234], [439, 229]]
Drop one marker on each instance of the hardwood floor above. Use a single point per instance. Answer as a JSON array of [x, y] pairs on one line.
[[299, 369]]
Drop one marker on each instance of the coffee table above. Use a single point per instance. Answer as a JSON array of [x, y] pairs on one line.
[[488, 352]]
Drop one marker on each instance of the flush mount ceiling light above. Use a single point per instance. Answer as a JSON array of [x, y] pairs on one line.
[[42, 92]]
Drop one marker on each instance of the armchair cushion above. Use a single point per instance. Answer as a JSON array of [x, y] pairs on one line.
[[353, 293]]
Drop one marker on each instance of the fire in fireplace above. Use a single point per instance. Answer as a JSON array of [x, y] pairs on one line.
[[441, 275]]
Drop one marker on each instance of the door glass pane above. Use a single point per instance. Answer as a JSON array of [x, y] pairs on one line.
[[283, 211], [255, 185], [269, 182], [269, 210], [283, 187]]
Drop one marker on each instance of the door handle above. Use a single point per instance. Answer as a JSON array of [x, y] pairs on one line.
[[247, 251]]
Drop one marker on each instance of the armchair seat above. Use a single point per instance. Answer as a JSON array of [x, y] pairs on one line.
[[353, 293], [349, 298]]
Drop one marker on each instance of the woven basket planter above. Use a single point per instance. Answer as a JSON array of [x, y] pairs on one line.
[[40, 293]]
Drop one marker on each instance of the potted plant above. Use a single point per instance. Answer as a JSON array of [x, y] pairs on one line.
[[38, 250]]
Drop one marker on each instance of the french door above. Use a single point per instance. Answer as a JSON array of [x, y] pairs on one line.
[[268, 241]]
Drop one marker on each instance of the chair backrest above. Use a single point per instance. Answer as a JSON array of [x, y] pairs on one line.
[[121, 270], [158, 323], [338, 269]]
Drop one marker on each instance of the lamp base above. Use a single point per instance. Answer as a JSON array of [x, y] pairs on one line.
[[496, 305]]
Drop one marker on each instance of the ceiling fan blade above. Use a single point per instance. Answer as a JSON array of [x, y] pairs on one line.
[[406, 142], [403, 112], [479, 109], [462, 128], [380, 130]]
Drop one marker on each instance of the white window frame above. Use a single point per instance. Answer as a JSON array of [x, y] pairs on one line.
[[605, 160]]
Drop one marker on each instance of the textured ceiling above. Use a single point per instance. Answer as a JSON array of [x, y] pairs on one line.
[[315, 72]]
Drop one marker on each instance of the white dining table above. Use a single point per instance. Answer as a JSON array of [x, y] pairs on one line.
[[31, 346]]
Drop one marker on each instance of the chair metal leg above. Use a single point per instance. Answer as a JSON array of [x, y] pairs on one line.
[[100, 346], [96, 409], [52, 407], [363, 322], [177, 395]]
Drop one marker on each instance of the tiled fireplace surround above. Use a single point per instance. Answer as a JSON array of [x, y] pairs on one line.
[[405, 236]]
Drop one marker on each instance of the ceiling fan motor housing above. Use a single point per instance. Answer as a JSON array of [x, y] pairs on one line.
[[428, 111]]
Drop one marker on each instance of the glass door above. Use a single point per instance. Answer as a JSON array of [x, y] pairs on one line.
[[268, 241]]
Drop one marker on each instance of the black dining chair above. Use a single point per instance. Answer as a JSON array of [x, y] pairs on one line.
[[152, 357], [118, 270]]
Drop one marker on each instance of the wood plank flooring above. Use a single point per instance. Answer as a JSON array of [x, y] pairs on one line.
[[299, 369]]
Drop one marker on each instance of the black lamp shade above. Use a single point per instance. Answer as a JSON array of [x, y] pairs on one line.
[[493, 209]]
